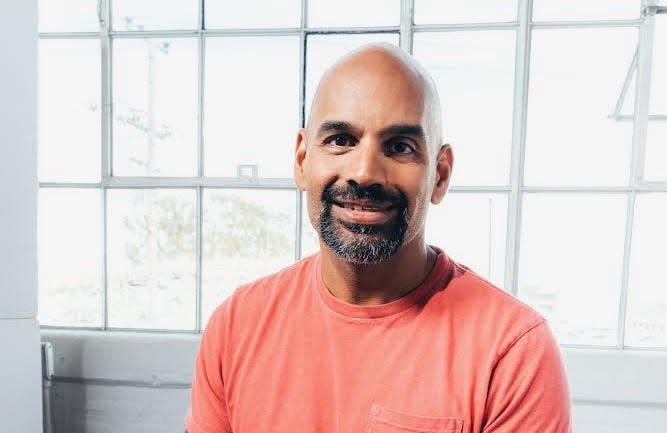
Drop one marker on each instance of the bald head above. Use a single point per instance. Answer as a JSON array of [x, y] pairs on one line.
[[381, 74]]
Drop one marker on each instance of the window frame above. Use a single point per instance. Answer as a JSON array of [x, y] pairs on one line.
[[523, 25]]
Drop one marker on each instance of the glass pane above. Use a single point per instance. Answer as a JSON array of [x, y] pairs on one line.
[[136, 15], [70, 257], [472, 228], [69, 110], [658, 99], [646, 321], [68, 16], [250, 119], [464, 11], [323, 50], [155, 107], [655, 167], [247, 234], [571, 261], [628, 105], [310, 240], [252, 13], [577, 10], [571, 140], [351, 13], [151, 258], [474, 72]]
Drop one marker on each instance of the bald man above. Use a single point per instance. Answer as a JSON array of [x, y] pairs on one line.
[[379, 332]]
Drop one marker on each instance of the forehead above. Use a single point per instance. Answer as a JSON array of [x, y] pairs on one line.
[[371, 93]]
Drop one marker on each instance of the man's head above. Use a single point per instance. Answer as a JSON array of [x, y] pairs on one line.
[[371, 156]]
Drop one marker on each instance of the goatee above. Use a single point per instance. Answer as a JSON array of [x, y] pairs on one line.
[[363, 243]]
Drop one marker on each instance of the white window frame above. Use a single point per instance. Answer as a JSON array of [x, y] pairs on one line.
[[612, 377], [523, 25]]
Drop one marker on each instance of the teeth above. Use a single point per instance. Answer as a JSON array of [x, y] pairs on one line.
[[363, 208]]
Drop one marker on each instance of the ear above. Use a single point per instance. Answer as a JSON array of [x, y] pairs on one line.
[[443, 172], [299, 158]]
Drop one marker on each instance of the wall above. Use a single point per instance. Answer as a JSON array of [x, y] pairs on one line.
[[20, 386], [138, 382]]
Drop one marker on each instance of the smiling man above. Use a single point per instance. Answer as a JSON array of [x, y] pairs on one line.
[[379, 332]]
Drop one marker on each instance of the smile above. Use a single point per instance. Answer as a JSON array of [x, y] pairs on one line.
[[364, 205], [363, 212]]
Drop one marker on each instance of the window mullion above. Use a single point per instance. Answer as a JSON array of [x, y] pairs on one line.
[[298, 226], [104, 17], [407, 22], [640, 127], [642, 92], [521, 73]]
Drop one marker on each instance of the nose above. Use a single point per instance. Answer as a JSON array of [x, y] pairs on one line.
[[366, 165]]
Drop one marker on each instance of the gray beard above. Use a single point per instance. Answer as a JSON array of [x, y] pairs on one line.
[[360, 243]]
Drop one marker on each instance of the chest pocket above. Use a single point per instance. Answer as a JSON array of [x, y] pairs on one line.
[[385, 420]]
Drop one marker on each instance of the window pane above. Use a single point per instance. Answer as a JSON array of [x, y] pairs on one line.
[[351, 13], [577, 10], [462, 11], [247, 234], [250, 119], [571, 140], [646, 322], [471, 228], [155, 107], [310, 240], [655, 168], [69, 110], [474, 72], [136, 15], [324, 50], [70, 257], [571, 261], [68, 16], [252, 13], [151, 258]]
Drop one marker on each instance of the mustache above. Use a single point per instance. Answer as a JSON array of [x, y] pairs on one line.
[[374, 193]]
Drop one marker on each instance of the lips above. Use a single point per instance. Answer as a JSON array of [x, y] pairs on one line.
[[362, 205], [363, 212]]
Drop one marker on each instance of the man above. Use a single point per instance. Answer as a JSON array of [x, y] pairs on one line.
[[379, 332]]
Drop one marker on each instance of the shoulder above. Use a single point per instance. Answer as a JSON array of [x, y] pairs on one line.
[[267, 293], [485, 312]]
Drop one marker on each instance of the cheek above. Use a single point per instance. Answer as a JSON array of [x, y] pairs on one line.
[[313, 206], [418, 204]]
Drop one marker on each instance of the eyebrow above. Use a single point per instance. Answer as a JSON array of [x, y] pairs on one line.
[[337, 126], [400, 129], [405, 129]]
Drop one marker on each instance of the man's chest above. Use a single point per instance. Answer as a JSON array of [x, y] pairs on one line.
[[358, 380]]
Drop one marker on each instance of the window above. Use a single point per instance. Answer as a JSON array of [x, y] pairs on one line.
[[167, 131]]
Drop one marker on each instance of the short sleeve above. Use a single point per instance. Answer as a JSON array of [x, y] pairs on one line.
[[208, 405], [528, 392]]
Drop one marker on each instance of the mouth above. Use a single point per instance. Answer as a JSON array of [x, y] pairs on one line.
[[363, 211], [363, 205]]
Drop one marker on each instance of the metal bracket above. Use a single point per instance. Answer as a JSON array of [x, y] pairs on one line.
[[654, 10], [247, 171], [48, 370]]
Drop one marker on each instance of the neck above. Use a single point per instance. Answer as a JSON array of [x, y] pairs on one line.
[[377, 283]]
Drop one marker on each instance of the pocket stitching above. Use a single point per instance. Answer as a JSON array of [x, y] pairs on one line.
[[375, 419], [456, 428]]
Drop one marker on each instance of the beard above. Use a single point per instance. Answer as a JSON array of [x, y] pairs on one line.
[[363, 243]]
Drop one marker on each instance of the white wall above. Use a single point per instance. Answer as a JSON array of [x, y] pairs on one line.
[[20, 372], [138, 382]]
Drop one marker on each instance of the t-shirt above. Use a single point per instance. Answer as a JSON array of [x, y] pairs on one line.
[[454, 355]]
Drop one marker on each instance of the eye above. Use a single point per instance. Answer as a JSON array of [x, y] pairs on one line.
[[341, 140], [399, 148]]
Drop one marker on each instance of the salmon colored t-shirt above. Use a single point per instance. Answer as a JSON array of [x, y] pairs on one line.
[[283, 355]]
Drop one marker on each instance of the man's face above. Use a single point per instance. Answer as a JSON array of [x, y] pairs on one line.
[[365, 162]]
